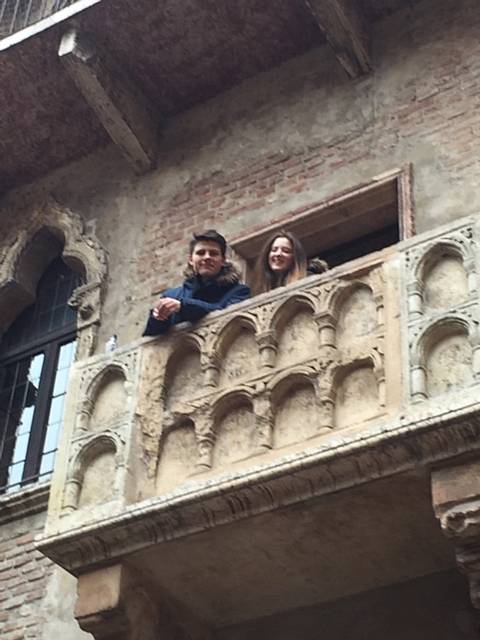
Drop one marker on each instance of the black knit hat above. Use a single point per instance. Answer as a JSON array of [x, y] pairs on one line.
[[212, 236]]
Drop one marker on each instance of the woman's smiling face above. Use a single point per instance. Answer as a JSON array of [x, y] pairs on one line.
[[280, 256]]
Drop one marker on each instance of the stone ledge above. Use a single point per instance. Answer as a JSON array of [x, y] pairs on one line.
[[198, 506], [24, 503]]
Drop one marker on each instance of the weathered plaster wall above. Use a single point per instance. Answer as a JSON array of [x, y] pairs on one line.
[[287, 138]]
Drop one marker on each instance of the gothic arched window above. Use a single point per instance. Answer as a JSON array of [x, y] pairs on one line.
[[35, 357]]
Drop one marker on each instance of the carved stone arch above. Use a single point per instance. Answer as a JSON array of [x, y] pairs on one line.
[[235, 351], [282, 313], [443, 277], [105, 444], [183, 371], [354, 310], [178, 452], [295, 330], [339, 296], [445, 355], [225, 401], [54, 230], [104, 399], [357, 392], [441, 327], [234, 427], [297, 413], [433, 250], [277, 384], [229, 331]]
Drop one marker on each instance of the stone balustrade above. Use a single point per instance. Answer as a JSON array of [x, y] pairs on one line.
[[346, 357]]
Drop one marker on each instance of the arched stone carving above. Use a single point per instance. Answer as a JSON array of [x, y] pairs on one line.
[[53, 230], [178, 455], [183, 375], [295, 409], [235, 428], [296, 330], [448, 357], [110, 402], [357, 394], [105, 393], [93, 475], [356, 312], [445, 356], [236, 350], [442, 273], [444, 278]]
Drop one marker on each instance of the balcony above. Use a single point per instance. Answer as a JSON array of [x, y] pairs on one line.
[[368, 372]]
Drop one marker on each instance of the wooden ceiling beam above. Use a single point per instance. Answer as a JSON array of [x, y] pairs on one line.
[[120, 105], [346, 31]]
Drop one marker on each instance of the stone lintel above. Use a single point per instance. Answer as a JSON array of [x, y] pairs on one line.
[[346, 32], [261, 489], [120, 105]]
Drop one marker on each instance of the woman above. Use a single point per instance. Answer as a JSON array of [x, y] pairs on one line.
[[282, 261]]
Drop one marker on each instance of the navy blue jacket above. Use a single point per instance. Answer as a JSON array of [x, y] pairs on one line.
[[199, 298]]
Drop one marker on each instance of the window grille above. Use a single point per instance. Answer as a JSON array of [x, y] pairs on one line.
[[35, 358], [16, 15]]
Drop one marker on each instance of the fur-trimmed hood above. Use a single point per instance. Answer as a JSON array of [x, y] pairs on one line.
[[228, 275]]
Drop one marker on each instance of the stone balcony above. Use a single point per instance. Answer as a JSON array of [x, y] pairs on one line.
[[362, 373]]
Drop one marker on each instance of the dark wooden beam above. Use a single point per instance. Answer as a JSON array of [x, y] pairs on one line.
[[346, 32], [120, 105]]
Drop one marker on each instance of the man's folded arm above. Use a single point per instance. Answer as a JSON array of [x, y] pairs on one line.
[[193, 309], [156, 327]]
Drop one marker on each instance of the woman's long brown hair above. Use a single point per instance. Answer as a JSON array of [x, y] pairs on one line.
[[264, 279]]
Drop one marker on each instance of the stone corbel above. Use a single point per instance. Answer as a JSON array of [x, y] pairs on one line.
[[456, 503], [415, 299], [115, 602], [264, 419], [267, 344]]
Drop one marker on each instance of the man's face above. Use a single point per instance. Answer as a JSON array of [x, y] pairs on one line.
[[206, 258]]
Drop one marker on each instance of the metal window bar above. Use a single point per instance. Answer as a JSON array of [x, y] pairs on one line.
[[16, 15]]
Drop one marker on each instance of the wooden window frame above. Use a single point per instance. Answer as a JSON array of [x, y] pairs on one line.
[[393, 186]]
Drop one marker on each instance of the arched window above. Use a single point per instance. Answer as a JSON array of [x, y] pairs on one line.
[[35, 357]]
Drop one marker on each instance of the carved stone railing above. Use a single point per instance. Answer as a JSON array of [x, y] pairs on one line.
[[372, 367]]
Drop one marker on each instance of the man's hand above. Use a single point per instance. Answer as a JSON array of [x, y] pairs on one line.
[[165, 307]]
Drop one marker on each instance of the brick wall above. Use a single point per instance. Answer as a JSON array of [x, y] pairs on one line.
[[421, 106], [24, 574]]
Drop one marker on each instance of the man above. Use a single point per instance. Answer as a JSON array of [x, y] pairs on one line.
[[212, 283]]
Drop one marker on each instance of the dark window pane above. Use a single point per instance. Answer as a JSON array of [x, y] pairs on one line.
[[50, 311]]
